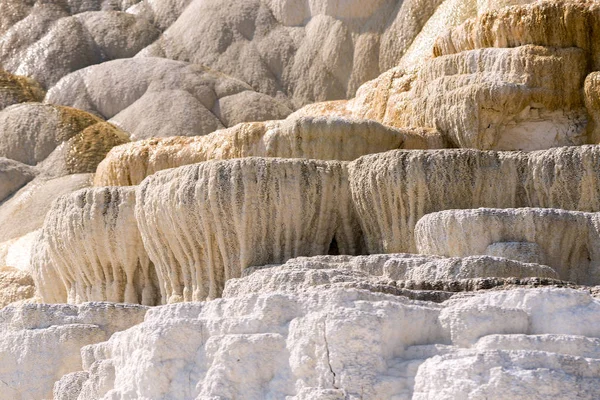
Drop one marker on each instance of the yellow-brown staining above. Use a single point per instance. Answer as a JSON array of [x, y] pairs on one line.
[[88, 148], [18, 89], [73, 121]]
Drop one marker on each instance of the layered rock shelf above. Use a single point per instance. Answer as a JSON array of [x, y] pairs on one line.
[[300, 200]]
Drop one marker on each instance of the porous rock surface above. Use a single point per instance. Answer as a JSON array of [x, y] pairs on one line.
[[393, 190], [321, 138], [153, 97], [316, 344], [95, 247], [39, 343], [565, 240], [343, 274], [300, 207]]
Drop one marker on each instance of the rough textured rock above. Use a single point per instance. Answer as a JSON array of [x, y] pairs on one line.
[[18, 252], [40, 343], [393, 190], [30, 132], [286, 345], [13, 175], [25, 211], [523, 98], [308, 50], [83, 152], [15, 285], [566, 240], [557, 24], [50, 41], [592, 103], [152, 97], [18, 89], [96, 248], [318, 343], [306, 137], [265, 211]]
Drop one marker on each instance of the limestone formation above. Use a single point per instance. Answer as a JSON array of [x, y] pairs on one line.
[[592, 103], [314, 138], [307, 50], [18, 252], [40, 343], [54, 39], [565, 240], [393, 190], [83, 152], [13, 175], [15, 286], [25, 211], [205, 223], [153, 97], [18, 89], [316, 344], [30, 132], [490, 99], [560, 24], [95, 247]]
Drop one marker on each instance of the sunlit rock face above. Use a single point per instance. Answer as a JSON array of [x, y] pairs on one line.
[[306, 51], [393, 190], [95, 247], [266, 211], [153, 97], [47, 41], [330, 138], [15, 285], [564, 240], [39, 343], [18, 89], [13, 175], [316, 343]]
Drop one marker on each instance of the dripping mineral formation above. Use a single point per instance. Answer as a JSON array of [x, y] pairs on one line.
[[281, 199]]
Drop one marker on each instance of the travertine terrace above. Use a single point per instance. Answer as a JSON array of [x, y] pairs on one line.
[[299, 199]]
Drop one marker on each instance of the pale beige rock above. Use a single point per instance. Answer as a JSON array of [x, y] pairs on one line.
[[96, 248], [13, 175], [205, 223], [30, 132], [568, 240], [393, 190], [39, 343], [322, 138], [15, 285], [149, 97], [306, 50], [25, 211], [54, 39], [592, 103], [49, 284], [545, 23]]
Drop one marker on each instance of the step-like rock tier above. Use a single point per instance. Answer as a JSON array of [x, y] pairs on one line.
[[205, 223], [321, 138], [393, 190], [39, 343], [339, 343], [567, 241], [95, 246]]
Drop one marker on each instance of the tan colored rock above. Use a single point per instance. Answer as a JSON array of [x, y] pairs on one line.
[[18, 89], [15, 285], [567, 241], [83, 152], [557, 24], [13, 175], [30, 132], [393, 190], [309, 137], [592, 103], [96, 248], [205, 223], [49, 284]]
